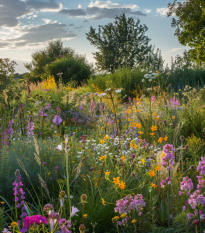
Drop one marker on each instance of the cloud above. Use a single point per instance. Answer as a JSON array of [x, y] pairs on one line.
[[77, 12], [79, 6], [51, 5], [47, 20], [100, 13], [175, 49], [11, 10], [147, 11], [103, 9], [78, 27], [109, 5], [85, 21], [71, 24], [36, 36], [164, 11]]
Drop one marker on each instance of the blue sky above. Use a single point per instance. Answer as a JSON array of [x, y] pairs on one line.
[[27, 25]]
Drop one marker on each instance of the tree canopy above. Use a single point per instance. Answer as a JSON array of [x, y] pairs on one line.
[[120, 43], [190, 26]]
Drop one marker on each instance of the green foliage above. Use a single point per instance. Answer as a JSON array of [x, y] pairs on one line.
[[190, 26], [53, 51], [120, 43], [72, 69], [121, 78], [8, 87]]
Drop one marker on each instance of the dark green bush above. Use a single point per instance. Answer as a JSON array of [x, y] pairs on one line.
[[72, 69]]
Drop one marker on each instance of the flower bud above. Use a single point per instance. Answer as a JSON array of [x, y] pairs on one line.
[[82, 228], [83, 198]]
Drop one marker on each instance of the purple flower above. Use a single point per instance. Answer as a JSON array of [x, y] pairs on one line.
[[153, 98], [56, 168], [44, 163], [81, 107], [57, 120]]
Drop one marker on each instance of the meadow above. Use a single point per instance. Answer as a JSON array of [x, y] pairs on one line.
[[122, 153]]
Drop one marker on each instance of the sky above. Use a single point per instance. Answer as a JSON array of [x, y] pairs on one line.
[[27, 25]]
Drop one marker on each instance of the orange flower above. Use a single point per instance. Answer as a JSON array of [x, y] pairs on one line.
[[138, 125], [157, 168], [137, 110], [123, 158], [103, 201], [153, 128], [102, 157], [160, 140], [136, 146], [151, 134], [107, 173], [152, 173], [173, 117], [153, 185], [165, 138], [140, 132], [131, 145], [121, 185], [116, 180]]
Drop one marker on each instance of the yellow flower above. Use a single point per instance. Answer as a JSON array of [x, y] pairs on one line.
[[135, 146], [116, 217], [14, 224], [85, 216], [163, 154], [134, 221], [102, 141], [103, 201], [143, 161], [138, 125], [106, 137], [140, 132], [123, 215], [151, 134]]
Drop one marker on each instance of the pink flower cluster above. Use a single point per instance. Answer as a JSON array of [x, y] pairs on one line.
[[48, 208], [201, 166], [196, 199], [34, 220], [174, 101], [186, 185], [63, 227], [168, 159], [129, 203]]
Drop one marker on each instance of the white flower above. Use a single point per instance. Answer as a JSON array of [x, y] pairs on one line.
[[143, 80], [60, 147], [146, 76], [150, 72], [6, 230], [150, 80], [102, 94], [169, 182], [118, 91], [74, 211], [148, 89]]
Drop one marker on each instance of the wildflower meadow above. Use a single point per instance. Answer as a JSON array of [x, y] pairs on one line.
[[104, 157]]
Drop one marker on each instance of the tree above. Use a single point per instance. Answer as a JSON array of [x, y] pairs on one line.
[[153, 61], [122, 43], [7, 69], [53, 51], [190, 26]]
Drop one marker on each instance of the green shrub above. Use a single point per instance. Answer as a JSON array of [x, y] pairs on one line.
[[72, 69]]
